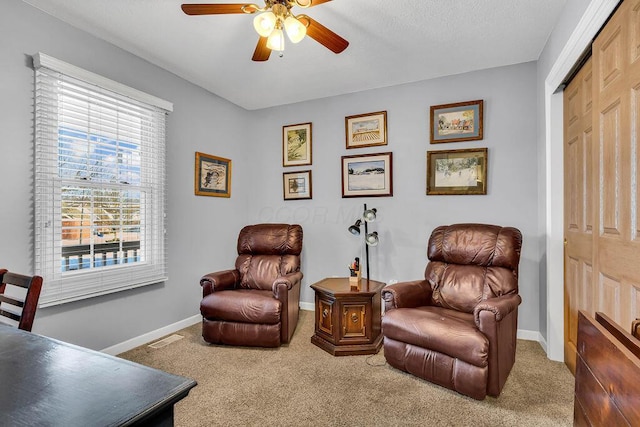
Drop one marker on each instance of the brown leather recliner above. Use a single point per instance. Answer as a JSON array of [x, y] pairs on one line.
[[457, 327], [257, 303]]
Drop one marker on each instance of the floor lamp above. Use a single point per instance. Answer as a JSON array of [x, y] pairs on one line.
[[370, 239]]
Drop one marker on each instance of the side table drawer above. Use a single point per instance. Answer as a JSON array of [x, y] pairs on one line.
[[324, 317], [353, 321]]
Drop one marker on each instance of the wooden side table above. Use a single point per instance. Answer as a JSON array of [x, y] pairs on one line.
[[347, 322]]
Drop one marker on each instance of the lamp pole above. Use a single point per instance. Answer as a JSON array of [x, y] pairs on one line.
[[366, 246]]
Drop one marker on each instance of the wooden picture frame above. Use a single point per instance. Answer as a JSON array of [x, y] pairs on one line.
[[457, 172], [297, 185], [462, 121], [212, 176], [367, 175], [366, 130], [296, 145]]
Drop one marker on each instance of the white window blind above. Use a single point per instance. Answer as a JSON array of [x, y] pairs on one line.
[[99, 184]]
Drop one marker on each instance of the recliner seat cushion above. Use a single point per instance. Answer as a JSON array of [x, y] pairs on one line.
[[435, 328], [242, 305]]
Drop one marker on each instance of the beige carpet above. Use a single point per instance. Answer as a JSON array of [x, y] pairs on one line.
[[302, 385]]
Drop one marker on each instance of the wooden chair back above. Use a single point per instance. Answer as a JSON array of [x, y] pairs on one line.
[[20, 309]]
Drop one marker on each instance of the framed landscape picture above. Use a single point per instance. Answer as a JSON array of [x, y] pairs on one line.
[[456, 122], [457, 171], [366, 130], [212, 176], [296, 144], [367, 175], [297, 185]]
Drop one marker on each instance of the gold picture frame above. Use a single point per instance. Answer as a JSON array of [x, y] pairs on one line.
[[296, 145], [462, 121], [458, 172], [366, 130], [212, 176], [367, 175], [297, 185]]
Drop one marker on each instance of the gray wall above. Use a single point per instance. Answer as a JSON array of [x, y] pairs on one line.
[[199, 228], [202, 230], [407, 218]]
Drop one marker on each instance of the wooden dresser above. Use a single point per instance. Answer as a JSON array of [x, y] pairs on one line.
[[607, 370], [347, 322]]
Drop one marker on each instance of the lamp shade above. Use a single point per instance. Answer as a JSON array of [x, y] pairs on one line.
[[372, 239], [370, 215], [295, 29], [264, 23], [276, 40], [355, 228]]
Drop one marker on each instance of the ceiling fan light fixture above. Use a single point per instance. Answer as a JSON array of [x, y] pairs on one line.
[[264, 23], [272, 20], [295, 29], [276, 39]]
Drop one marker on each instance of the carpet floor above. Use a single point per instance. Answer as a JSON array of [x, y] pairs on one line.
[[301, 385]]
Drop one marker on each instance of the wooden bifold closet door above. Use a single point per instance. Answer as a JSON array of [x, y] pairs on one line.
[[601, 174]]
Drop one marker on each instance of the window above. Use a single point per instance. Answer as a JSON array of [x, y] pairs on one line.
[[99, 184]]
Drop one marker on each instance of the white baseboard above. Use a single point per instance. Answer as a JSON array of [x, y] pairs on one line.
[[151, 336], [308, 306], [159, 333], [523, 334]]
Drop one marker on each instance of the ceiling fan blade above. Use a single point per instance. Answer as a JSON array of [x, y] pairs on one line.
[[262, 52], [213, 9], [323, 35], [317, 2]]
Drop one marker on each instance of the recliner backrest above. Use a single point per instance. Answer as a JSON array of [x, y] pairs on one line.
[[469, 263], [267, 251]]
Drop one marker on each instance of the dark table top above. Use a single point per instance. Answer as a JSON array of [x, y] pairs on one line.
[[341, 286], [48, 382]]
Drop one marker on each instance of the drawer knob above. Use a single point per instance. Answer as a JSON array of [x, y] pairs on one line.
[[325, 313], [354, 318]]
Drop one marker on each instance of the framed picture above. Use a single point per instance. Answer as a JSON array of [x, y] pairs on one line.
[[457, 171], [366, 130], [296, 185], [456, 122], [212, 176], [296, 145], [367, 175]]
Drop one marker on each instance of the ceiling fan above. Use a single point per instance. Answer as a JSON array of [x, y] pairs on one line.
[[275, 17]]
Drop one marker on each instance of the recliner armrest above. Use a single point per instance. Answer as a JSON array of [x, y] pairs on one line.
[[407, 294], [219, 281], [289, 280], [499, 306]]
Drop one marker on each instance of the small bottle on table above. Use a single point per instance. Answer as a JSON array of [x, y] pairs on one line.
[[354, 275]]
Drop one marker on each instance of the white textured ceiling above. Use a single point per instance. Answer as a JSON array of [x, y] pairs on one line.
[[391, 42]]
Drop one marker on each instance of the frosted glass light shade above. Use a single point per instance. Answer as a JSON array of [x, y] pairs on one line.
[[295, 29], [264, 23], [276, 40], [372, 239], [370, 215]]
